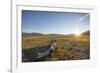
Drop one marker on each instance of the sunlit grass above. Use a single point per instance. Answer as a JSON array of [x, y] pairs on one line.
[[67, 47]]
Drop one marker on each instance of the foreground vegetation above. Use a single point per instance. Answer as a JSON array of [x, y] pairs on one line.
[[67, 47]]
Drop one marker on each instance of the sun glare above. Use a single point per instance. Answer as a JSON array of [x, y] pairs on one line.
[[77, 33]]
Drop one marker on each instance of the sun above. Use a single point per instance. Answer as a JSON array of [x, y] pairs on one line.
[[77, 33]]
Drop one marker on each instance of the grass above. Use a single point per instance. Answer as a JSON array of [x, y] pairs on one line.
[[67, 47]]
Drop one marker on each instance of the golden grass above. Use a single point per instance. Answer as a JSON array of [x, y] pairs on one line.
[[67, 47]]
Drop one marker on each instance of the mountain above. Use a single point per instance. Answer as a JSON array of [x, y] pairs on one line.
[[32, 34], [40, 34], [86, 33], [54, 34]]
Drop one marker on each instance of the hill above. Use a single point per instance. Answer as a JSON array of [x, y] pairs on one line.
[[86, 33], [40, 34], [52, 34], [32, 34]]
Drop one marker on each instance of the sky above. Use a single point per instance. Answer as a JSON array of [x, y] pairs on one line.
[[54, 22]]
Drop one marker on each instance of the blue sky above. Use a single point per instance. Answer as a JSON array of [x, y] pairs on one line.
[[54, 22]]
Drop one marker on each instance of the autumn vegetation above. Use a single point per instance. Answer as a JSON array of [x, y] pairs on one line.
[[69, 47]]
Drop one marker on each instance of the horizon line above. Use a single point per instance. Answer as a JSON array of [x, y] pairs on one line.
[[55, 33]]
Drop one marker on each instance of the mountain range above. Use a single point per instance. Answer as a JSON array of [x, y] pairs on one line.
[[53, 34]]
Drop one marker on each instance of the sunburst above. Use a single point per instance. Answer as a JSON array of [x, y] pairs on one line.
[[77, 33]]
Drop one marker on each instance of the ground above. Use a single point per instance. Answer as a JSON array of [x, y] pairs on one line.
[[68, 47]]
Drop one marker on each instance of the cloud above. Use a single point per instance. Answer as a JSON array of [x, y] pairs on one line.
[[26, 30], [83, 17]]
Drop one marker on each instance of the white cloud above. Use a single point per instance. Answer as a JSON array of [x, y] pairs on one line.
[[26, 30], [83, 17]]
